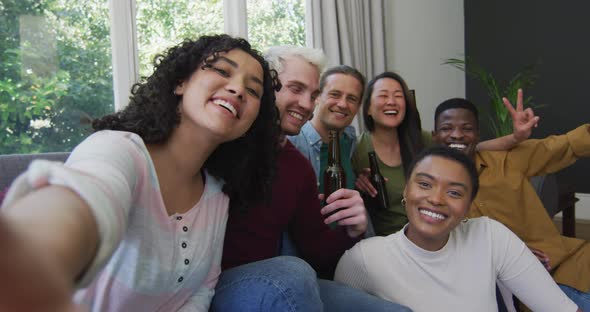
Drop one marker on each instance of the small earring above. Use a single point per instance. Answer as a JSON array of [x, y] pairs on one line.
[[403, 202], [465, 220]]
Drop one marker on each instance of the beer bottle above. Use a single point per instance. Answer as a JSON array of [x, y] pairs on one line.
[[381, 201], [334, 176]]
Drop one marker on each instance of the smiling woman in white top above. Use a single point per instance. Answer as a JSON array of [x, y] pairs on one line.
[[135, 219], [441, 261]]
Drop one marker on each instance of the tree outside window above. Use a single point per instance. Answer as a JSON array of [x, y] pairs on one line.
[[55, 72], [56, 65], [276, 22]]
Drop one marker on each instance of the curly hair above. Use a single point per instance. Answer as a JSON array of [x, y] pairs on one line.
[[246, 164], [410, 129]]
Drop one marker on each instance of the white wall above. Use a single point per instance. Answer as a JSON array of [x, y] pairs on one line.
[[582, 207], [420, 36]]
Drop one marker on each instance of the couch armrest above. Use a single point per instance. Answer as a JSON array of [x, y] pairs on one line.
[[14, 164]]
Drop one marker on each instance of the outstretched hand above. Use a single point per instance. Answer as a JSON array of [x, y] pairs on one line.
[[523, 120], [346, 207], [29, 281]]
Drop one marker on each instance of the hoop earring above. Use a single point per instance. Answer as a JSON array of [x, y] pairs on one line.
[[403, 201]]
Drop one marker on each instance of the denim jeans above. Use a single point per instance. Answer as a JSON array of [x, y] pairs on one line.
[[338, 297], [582, 299], [289, 284], [276, 284]]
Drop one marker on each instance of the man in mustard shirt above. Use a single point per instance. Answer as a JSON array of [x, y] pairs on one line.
[[507, 196]]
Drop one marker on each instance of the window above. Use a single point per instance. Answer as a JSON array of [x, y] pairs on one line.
[[164, 23], [276, 22], [55, 71], [57, 62]]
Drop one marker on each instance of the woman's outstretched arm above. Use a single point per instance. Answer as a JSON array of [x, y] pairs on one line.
[[48, 238]]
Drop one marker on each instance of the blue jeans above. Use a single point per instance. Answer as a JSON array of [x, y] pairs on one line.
[[289, 284], [338, 297], [582, 299], [276, 284]]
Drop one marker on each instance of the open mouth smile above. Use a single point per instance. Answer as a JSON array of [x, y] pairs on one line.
[[295, 115], [432, 214], [458, 146], [228, 106]]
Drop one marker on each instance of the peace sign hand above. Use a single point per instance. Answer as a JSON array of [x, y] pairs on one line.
[[523, 120]]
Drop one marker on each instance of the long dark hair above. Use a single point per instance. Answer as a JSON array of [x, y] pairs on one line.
[[410, 129], [246, 164]]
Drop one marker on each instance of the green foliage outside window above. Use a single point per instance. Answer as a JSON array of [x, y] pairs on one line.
[[45, 91], [276, 22], [56, 65], [164, 23]]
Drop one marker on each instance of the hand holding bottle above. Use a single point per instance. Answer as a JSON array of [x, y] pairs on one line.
[[363, 182], [346, 208]]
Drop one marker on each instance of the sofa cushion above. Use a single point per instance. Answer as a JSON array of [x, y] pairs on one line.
[[13, 165]]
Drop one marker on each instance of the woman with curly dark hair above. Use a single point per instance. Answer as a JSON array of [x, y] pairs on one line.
[[136, 216]]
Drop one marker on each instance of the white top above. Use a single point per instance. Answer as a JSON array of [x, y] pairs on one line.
[[146, 259], [459, 277]]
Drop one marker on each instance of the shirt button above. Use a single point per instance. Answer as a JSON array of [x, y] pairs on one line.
[[183, 245], [180, 279], [184, 228], [186, 261], [179, 218]]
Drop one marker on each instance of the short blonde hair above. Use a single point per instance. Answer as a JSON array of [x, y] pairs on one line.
[[275, 56]]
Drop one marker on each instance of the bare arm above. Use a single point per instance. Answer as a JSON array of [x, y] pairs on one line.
[[52, 236], [523, 121]]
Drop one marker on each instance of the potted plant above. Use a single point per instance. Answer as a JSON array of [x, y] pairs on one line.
[[499, 120]]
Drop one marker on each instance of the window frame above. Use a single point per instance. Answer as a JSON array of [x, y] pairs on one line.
[[125, 54]]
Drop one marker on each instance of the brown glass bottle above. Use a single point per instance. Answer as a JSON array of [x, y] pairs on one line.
[[381, 200], [334, 176]]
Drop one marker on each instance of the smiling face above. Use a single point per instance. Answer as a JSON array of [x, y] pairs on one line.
[[388, 104], [438, 196], [296, 99], [338, 103], [223, 97], [457, 128]]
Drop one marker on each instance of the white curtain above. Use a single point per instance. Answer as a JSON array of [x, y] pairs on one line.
[[351, 32]]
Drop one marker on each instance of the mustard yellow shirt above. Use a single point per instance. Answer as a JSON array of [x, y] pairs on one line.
[[507, 196]]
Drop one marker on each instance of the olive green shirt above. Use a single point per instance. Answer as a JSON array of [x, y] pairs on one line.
[[394, 218]]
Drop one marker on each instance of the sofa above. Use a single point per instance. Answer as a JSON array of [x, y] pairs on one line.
[[546, 186], [12, 165]]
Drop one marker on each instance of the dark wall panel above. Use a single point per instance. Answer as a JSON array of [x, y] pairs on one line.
[[504, 36]]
